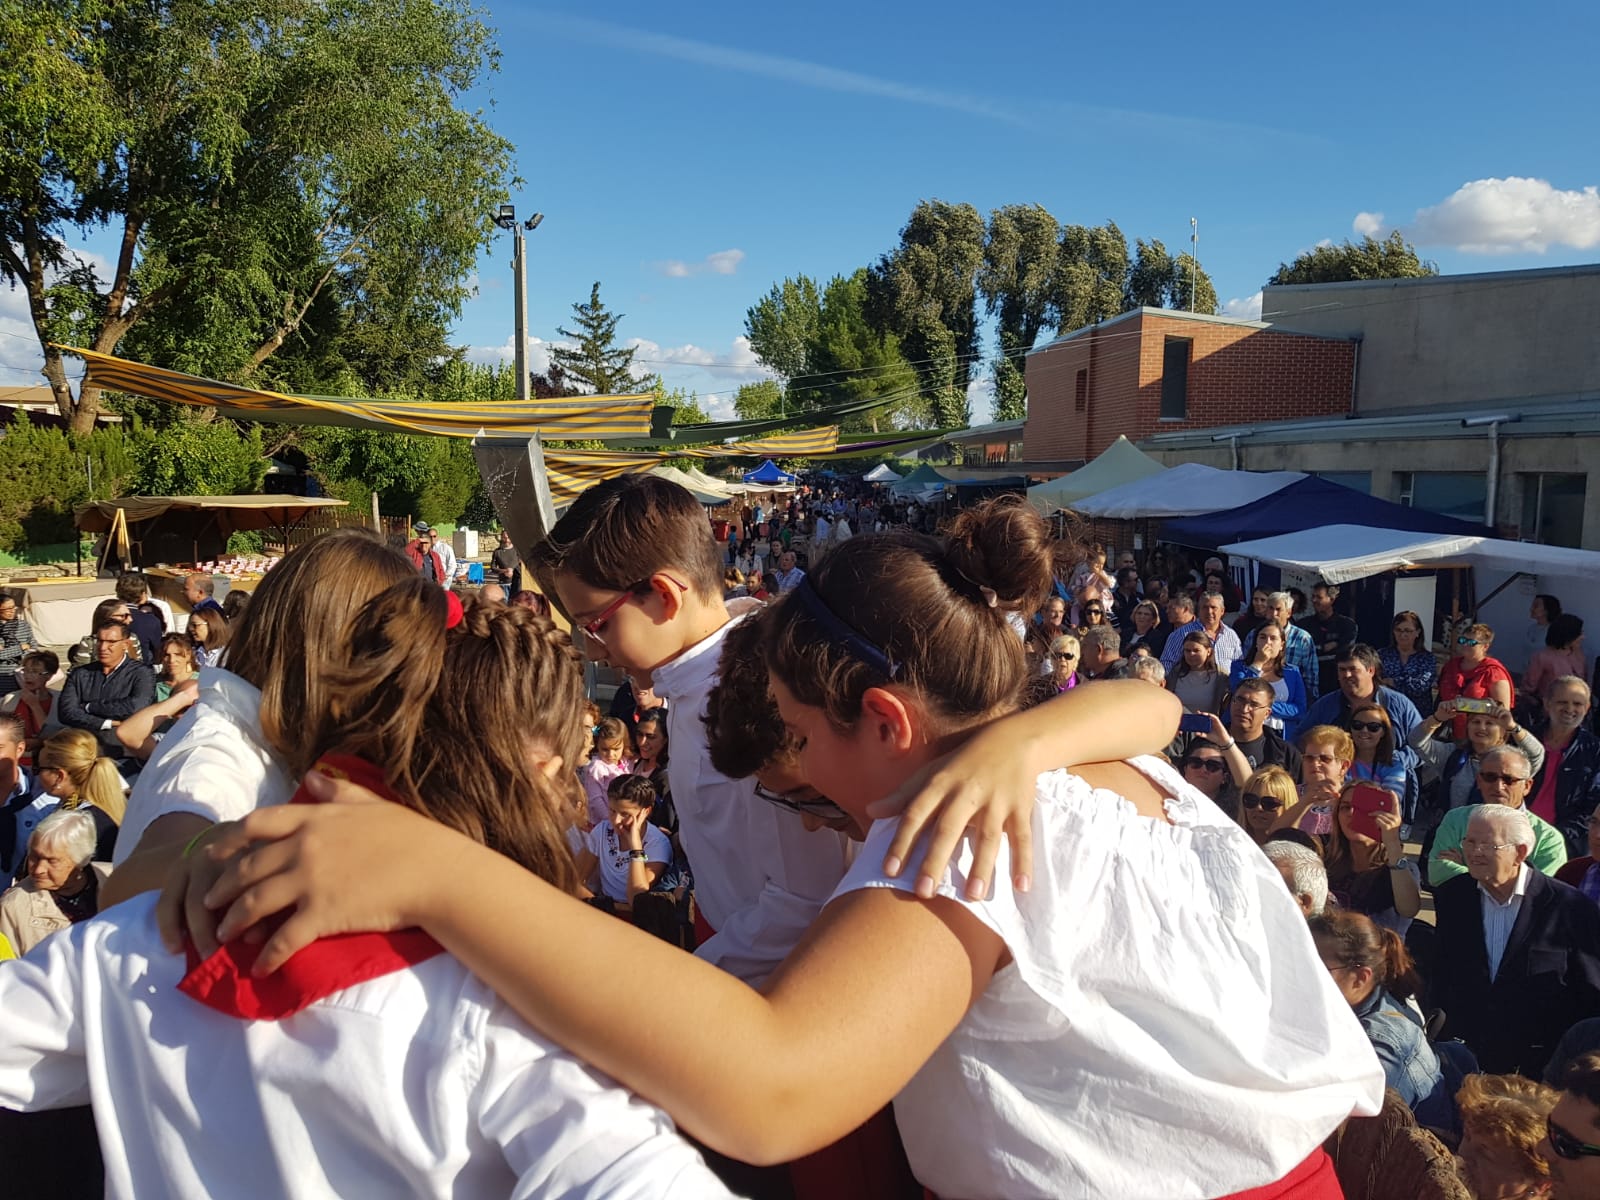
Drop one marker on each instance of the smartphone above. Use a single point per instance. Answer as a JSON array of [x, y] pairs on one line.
[[1194, 723], [1365, 799], [1465, 705]]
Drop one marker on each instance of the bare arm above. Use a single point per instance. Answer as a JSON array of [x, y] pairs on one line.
[[138, 729], [147, 868]]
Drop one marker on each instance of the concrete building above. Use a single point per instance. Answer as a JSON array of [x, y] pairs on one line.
[[1156, 370], [1475, 395]]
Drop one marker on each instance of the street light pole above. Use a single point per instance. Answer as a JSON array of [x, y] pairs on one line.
[[506, 218], [1194, 259]]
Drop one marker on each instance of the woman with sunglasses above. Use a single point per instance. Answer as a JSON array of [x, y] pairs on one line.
[[1266, 794], [1572, 1130], [1093, 613], [1062, 661], [1375, 760], [1505, 1123], [1204, 767], [1472, 674]]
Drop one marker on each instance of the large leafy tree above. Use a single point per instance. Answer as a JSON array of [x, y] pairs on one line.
[[596, 361], [1391, 258], [1157, 279], [852, 361], [1020, 254], [760, 401], [782, 326], [248, 158]]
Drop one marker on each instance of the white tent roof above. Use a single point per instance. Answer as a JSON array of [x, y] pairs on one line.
[[1340, 553], [1119, 463], [1185, 490], [704, 495], [882, 473], [711, 483]]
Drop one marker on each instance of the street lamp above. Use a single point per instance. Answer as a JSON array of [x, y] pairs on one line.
[[506, 218]]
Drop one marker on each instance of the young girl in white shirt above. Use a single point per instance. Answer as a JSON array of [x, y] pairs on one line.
[[1145, 1016]]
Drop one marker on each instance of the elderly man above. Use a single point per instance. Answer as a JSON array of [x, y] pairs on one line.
[[1100, 649], [1303, 874], [1572, 1132], [789, 575], [1331, 633], [1300, 652], [1518, 954], [1209, 609], [1567, 787], [1261, 745], [1504, 777], [491, 593], [199, 589], [97, 695]]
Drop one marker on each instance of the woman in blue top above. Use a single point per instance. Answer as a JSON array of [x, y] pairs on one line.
[[1266, 661], [1375, 760]]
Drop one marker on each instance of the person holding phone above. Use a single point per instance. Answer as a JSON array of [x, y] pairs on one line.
[[1474, 675], [1368, 871], [1457, 764]]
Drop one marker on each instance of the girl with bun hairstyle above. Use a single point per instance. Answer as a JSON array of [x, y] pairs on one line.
[[1146, 1017]]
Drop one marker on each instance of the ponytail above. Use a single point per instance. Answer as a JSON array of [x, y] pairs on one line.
[[95, 778], [103, 789], [1400, 973], [1356, 940]]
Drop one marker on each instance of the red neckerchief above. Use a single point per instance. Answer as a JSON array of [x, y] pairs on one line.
[[328, 965]]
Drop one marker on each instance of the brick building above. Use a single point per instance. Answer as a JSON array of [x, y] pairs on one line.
[[1155, 370]]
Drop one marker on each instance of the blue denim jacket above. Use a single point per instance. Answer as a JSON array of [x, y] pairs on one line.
[[1410, 1066]]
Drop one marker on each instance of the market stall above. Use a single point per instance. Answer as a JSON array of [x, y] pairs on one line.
[[163, 530], [1119, 463]]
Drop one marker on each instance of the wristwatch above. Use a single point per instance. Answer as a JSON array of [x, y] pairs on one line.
[[1399, 864]]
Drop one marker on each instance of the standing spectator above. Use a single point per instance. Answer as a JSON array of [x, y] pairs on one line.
[[1102, 657], [1372, 875], [1562, 654], [1474, 675], [1197, 682], [1208, 619], [424, 556], [99, 694], [1406, 664], [1144, 631], [446, 553], [532, 601], [1571, 1131], [1093, 613], [1566, 786], [1300, 652], [178, 665], [1090, 582], [1302, 871], [611, 758], [1584, 873], [1267, 660], [1512, 982], [62, 884], [16, 639], [505, 562], [1125, 598], [1252, 618], [1062, 661], [789, 576], [1544, 609], [1262, 745], [199, 589], [1204, 766], [33, 702], [1456, 763], [234, 604], [1358, 684], [144, 622], [1503, 779], [1331, 633]]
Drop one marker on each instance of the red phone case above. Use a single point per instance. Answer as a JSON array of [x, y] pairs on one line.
[[1366, 799]]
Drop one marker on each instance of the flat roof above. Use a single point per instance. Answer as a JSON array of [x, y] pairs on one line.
[[1473, 278], [1178, 314]]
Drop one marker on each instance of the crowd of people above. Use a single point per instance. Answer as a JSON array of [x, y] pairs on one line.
[[332, 894]]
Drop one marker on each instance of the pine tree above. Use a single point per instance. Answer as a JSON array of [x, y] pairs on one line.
[[597, 363]]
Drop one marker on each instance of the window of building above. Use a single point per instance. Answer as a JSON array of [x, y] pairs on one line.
[[1460, 494], [1175, 379], [1552, 509], [1081, 390], [1361, 481]]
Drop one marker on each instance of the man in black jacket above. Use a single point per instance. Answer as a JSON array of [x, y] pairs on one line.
[[1518, 954], [1567, 787], [99, 695]]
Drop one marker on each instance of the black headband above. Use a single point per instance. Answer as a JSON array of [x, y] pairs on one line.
[[841, 632]]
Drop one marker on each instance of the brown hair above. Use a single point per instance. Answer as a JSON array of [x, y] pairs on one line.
[[446, 714], [1256, 684], [1353, 939], [1279, 661], [743, 729], [1383, 756], [180, 641], [1508, 1111], [299, 620], [102, 618], [234, 603], [623, 531], [1200, 638], [1483, 633], [612, 732], [934, 608], [47, 659], [1413, 618], [217, 629], [131, 587], [76, 752]]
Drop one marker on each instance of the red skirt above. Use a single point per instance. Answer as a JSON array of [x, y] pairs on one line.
[[1311, 1180]]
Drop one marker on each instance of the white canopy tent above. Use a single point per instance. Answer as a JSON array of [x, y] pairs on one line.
[[1119, 463], [710, 483], [1185, 490], [882, 473], [705, 495]]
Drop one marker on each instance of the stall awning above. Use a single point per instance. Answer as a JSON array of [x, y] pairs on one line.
[[1184, 491], [1340, 553], [1119, 463], [234, 513], [1309, 504]]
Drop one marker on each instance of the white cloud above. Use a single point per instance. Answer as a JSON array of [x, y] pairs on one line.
[[1246, 307], [1368, 224], [719, 262], [494, 356], [20, 356], [1511, 215], [980, 398]]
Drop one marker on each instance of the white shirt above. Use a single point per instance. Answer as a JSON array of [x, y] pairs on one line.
[[1498, 919], [1165, 1028], [759, 877], [447, 556], [842, 531], [601, 842], [789, 579], [214, 762], [820, 534], [419, 1083]]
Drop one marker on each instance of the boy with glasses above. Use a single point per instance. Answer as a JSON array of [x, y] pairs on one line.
[[1504, 777]]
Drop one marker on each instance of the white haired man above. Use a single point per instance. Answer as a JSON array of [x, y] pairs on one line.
[[1518, 954], [1504, 778], [1303, 874]]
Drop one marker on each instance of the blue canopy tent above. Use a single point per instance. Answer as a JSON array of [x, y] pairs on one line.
[[1309, 503], [769, 473]]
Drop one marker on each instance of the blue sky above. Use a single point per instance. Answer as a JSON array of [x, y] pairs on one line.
[[688, 157]]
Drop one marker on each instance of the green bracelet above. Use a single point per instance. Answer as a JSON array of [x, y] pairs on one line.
[[195, 840]]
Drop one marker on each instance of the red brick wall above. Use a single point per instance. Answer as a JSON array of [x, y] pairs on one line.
[[1237, 375]]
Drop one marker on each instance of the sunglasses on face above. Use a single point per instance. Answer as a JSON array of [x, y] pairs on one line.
[[1466, 641], [1320, 758], [1366, 726], [1210, 765], [1064, 657], [1567, 1145], [1269, 803]]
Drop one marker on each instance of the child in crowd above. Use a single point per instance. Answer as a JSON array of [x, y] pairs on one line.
[[612, 758], [34, 702], [1196, 680], [629, 852], [415, 1080]]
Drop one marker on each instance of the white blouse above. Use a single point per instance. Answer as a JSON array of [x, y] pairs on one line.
[[1165, 1027]]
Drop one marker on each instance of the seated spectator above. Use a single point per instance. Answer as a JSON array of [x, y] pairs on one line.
[[489, 593], [1503, 779], [1571, 1148], [1266, 794], [1517, 961], [235, 603], [1204, 766], [733, 584], [208, 633], [1049, 623], [1406, 664], [628, 850], [1145, 631], [612, 757], [34, 703], [1302, 871], [1562, 654], [755, 583], [1063, 661], [532, 601], [1092, 614], [1357, 675], [1248, 711], [1196, 681], [1266, 660], [1457, 765], [1100, 647], [177, 665], [1372, 875], [62, 883], [16, 640], [1584, 873], [1503, 1122], [1376, 760], [1300, 653], [107, 610], [789, 575], [141, 733], [1372, 970], [1474, 675], [73, 774], [1326, 753], [20, 804], [99, 694], [145, 622], [1566, 786]]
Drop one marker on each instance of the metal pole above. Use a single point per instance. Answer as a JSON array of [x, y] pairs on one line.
[[1194, 260], [520, 284]]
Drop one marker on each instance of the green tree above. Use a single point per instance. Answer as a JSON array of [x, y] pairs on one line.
[[1158, 280], [685, 405], [851, 361], [597, 362], [1392, 258], [248, 158], [1020, 254], [201, 455], [759, 401], [1091, 275], [782, 326]]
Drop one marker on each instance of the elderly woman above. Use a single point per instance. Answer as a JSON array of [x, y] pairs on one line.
[[1473, 675], [62, 886], [1326, 752], [16, 640], [1502, 1135], [1062, 661], [1457, 763], [1406, 664]]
